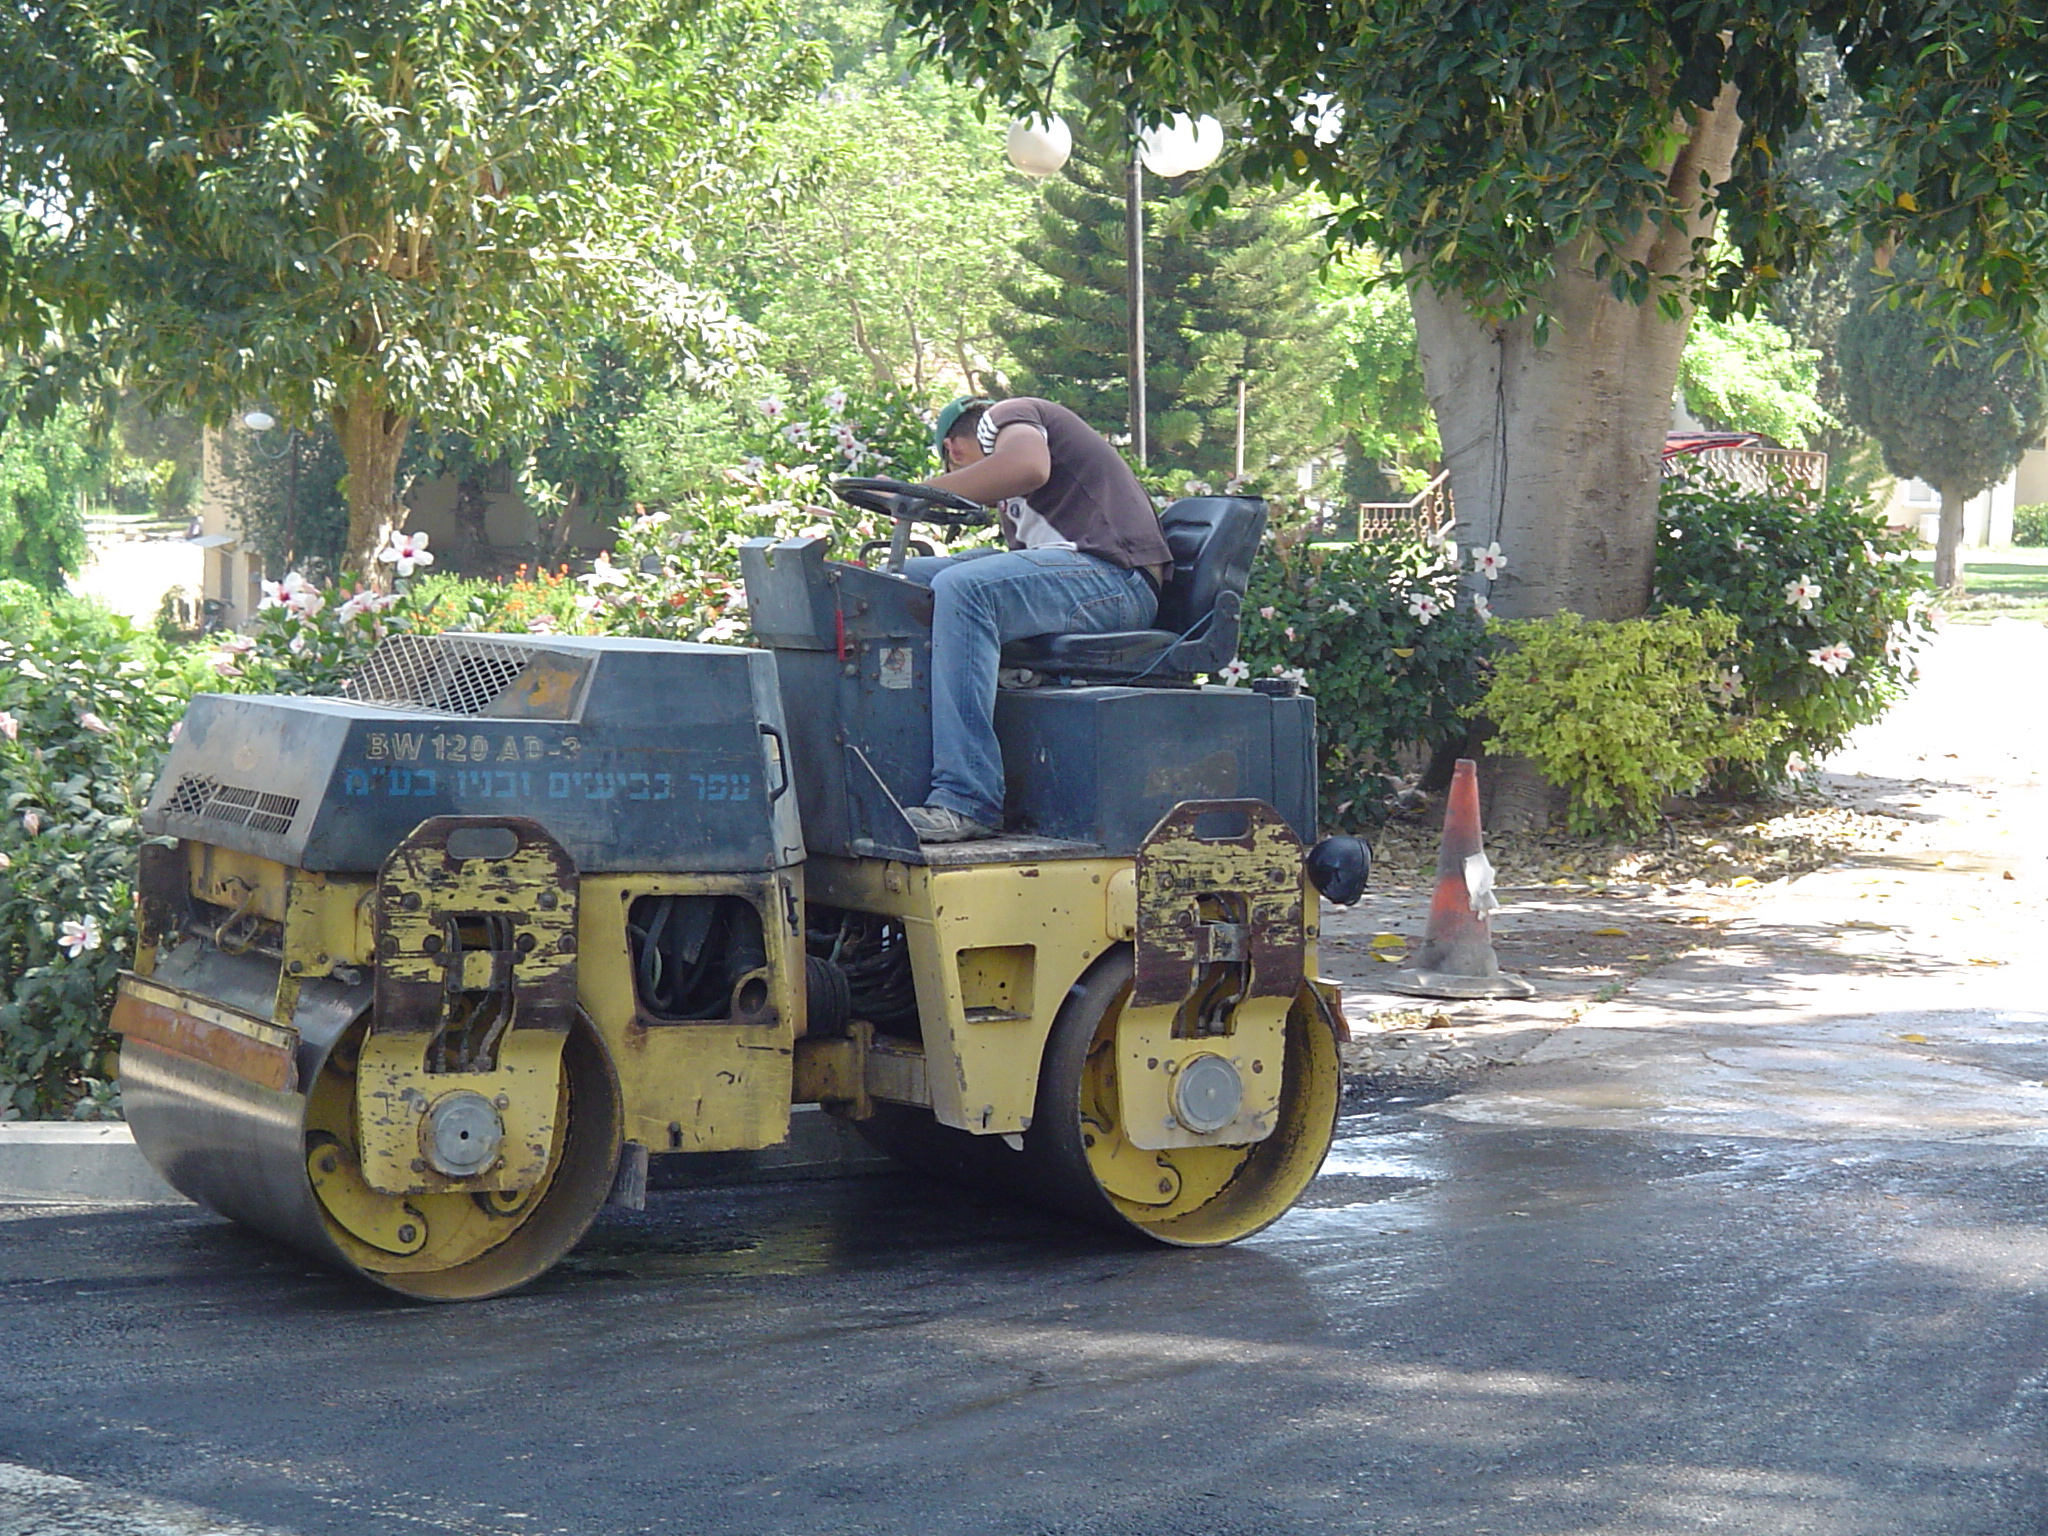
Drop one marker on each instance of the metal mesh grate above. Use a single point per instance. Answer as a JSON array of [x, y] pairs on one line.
[[444, 674], [211, 800]]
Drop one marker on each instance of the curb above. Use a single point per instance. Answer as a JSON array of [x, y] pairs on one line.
[[98, 1163]]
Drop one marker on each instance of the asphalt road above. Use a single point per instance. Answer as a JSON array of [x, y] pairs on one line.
[[1467, 1328]]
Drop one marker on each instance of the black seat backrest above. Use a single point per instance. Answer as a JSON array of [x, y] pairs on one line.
[[1213, 539]]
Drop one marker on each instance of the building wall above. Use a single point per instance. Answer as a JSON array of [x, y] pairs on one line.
[[1987, 519]]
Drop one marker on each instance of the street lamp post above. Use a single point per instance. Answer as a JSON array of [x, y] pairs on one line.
[[261, 422], [1039, 147]]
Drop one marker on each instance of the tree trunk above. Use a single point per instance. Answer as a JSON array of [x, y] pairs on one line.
[[371, 439], [1555, 452], [1948, 542]]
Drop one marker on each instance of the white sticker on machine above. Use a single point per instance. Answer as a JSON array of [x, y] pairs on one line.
[[896, 666]]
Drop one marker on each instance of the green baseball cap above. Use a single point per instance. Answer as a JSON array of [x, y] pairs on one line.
[[943, 422]]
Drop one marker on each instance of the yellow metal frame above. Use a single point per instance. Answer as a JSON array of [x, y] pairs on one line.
[[698, 1086]]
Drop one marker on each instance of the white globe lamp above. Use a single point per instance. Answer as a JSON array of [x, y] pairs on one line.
[[259, 421], [1183, 145], [1038, 146]]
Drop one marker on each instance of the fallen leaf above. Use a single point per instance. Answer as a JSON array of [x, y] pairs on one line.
[[1389, 941], [1610, 933], [1975, 961], [1914, 1039]]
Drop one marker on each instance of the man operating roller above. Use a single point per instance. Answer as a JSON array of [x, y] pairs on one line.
[[1085, 556]]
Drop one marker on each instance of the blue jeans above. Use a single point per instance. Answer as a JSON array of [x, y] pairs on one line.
[[982, 599]]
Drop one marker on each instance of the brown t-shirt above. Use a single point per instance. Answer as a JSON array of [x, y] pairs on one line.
[[1091, 501]]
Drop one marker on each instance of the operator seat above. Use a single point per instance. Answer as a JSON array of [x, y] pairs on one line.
[[1212, 539]]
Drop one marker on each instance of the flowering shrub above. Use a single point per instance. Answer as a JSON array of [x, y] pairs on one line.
[[1379, 634], [1620, 715], [1829, 608], [87, 704]]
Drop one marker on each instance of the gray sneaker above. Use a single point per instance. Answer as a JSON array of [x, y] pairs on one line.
[[938, 824]]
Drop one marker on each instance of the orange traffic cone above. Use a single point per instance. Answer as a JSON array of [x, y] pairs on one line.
[[1456, 959]]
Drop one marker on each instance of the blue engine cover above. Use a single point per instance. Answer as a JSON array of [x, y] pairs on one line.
[[636, 755]]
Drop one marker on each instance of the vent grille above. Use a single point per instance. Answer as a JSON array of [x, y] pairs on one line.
[[210, 800], [440, 674]]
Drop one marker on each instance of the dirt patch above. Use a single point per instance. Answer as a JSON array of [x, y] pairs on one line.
[[1581, 918]]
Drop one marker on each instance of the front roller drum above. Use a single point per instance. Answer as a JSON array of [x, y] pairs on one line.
[[286, 1163], [1078, 1158]]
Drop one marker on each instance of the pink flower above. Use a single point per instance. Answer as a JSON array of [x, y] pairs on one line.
[[1266, 613], [406, 551], [1832, 659], [95, 724], [1489, 562], [9, 726], [1801, 594], [32, 822], [77, 935], [1288, 631], [176, 731]]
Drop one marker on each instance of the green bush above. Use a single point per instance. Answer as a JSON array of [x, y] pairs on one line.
[[1376, 632], [1620, 715], [1830, 608], [2030, 526], [87, 705]]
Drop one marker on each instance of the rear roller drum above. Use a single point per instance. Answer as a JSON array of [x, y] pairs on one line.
[[1077, 1157]]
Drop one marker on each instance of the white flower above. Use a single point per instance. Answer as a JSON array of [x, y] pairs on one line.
[[835, 401], [406, 551], [1796, 764], [1290, 674], [295, 593], [771, 407], [1198, 488], [1741, 546], [32, 822], [6, 862], [1341, 607], [604, 574], [727, 628], [541, 624], [1832, 659], [95, 724], [1289, 632], [77, 935], [1424, 607], [1727, 684], [1801, 593], [177, 730], [588, 604], [1233, 673], [1482, 607], [1266, 613], [1489, 562], [9, 726]]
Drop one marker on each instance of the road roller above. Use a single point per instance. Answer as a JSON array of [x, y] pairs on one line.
[[430, 969]]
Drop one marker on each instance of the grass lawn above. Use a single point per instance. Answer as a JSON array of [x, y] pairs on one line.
[[2001, 584]]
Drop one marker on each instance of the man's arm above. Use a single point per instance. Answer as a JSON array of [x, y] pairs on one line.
[[1019, 466]]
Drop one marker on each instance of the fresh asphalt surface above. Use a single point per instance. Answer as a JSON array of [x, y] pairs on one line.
[[1465, 1328]]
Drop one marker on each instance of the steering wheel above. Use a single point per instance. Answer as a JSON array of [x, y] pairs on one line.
[[918, 503]]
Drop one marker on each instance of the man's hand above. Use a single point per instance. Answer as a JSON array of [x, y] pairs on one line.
[[1019, 466]]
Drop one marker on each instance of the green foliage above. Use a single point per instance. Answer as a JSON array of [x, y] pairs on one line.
[[1230, 296], [1744, 374], [1376, 632], [374, 213], [1377, 402], [884, 264], [1743, 553], [44, 470], [87, 703], [2030, 526], [1620, 715], [1954, 404], [1484, 149]]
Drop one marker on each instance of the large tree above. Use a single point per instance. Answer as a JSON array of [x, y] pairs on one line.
[[371, 211], [1566, 183], [1954, 410]]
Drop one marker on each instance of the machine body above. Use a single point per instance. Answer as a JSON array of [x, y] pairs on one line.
[[429, 970]]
